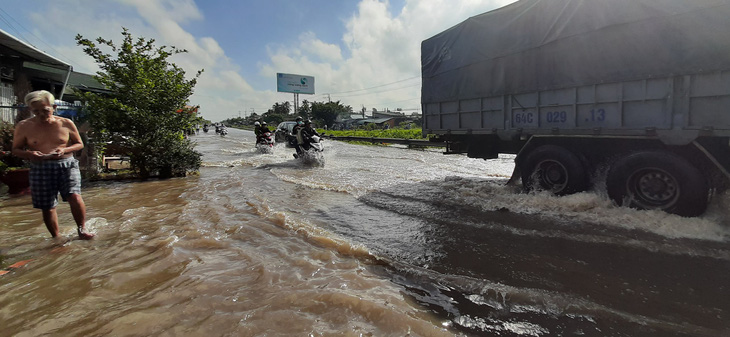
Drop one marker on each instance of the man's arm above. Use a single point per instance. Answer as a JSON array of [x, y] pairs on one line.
[[74, 139]]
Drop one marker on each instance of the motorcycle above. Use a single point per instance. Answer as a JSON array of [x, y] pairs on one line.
[[265, 143], [311, 153], [205, 128]]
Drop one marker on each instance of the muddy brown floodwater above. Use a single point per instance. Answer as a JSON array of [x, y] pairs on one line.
[[380, 241]]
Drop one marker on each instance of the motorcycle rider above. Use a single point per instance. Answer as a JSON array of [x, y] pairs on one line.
[[295, 132], [260, 130], [306, 134]]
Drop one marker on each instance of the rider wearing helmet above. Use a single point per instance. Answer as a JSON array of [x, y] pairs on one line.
[[297, 126], [295, 134], [306, 134], [260, 130]]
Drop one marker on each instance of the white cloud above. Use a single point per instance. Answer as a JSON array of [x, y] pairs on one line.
[[378, 45], [325, 51], [384, 47]]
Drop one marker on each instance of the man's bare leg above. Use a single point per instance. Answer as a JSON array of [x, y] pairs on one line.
[[78, 209], [51, 220]]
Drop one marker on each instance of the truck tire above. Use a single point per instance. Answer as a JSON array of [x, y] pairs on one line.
[[658, 180], [555, 169]]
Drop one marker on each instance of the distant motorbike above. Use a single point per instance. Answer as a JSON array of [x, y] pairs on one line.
[[205, 128], [312, 151], [265, 143]]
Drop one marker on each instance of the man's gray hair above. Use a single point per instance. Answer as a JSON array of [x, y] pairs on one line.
[[40, 95]]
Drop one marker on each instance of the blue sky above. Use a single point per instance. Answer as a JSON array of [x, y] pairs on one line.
[[360, 52]]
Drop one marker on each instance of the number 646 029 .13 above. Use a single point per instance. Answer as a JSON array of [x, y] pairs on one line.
[[523, 118]]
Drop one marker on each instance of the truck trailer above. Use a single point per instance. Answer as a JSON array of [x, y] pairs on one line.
[[633, 93]]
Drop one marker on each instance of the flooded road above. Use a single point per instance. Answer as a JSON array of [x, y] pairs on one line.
[[380, 241]]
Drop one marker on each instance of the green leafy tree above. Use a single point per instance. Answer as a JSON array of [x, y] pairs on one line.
[[305, 109], [252, 118], [278, 113], [235, 121], [326, 113], [145, 115], [280, 108]]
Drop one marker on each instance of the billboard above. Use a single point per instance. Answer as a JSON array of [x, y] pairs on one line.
[[298, 84]]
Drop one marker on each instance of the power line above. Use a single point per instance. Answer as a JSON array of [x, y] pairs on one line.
[[369, 88], [377, 86], [378, 92], [387, 103], [2, 17], [31, 33]]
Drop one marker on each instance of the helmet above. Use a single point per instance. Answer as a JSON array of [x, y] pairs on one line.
[[307, 122], [263, 123], [299, 118], [257, 123]]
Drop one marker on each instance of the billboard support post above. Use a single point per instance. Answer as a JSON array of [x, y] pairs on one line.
[[296, 103]]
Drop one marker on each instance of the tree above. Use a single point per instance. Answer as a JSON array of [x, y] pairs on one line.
[[280, 108], [145, 112], [327, 113], [305, 109], [278, 113], [252, 118]]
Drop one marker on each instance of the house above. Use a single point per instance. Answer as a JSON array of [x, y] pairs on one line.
[[395, 118], [383, 123], [24, 68], [347, 122]]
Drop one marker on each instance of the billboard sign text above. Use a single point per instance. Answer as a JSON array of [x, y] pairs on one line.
[[298, 84]]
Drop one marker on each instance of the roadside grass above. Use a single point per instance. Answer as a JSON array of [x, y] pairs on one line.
[[389, 133]]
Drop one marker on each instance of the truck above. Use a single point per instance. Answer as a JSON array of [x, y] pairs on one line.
[[633, 94]]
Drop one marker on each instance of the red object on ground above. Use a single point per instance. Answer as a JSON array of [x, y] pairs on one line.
[[19, 264], [17, 181]]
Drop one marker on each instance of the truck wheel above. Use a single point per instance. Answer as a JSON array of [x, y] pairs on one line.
[[658, 180], [555, 169]]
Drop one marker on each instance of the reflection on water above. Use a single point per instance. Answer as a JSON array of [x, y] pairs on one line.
[[380, 242]]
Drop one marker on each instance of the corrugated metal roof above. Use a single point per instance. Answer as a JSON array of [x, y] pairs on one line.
[[84, 82], [30, 52], [373, 120], [35, 62]]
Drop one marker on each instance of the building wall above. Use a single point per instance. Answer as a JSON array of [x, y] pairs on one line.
[[7, 99]]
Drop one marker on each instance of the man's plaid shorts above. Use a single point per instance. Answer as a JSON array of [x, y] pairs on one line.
[[50, 177]]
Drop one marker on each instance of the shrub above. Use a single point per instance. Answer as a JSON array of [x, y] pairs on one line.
[[145, 114]]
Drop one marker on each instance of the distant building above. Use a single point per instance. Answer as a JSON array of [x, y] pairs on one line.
[[385, 123], [396, 118], [347, 122]]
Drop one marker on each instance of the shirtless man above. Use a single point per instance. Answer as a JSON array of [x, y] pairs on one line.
[[49, 142]]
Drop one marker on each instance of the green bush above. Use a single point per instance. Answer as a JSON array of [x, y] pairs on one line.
[[145, 113], [168, 154], [378, 133], [7, 160]]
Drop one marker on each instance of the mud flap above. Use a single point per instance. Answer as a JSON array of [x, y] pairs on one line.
[[515, 178]]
